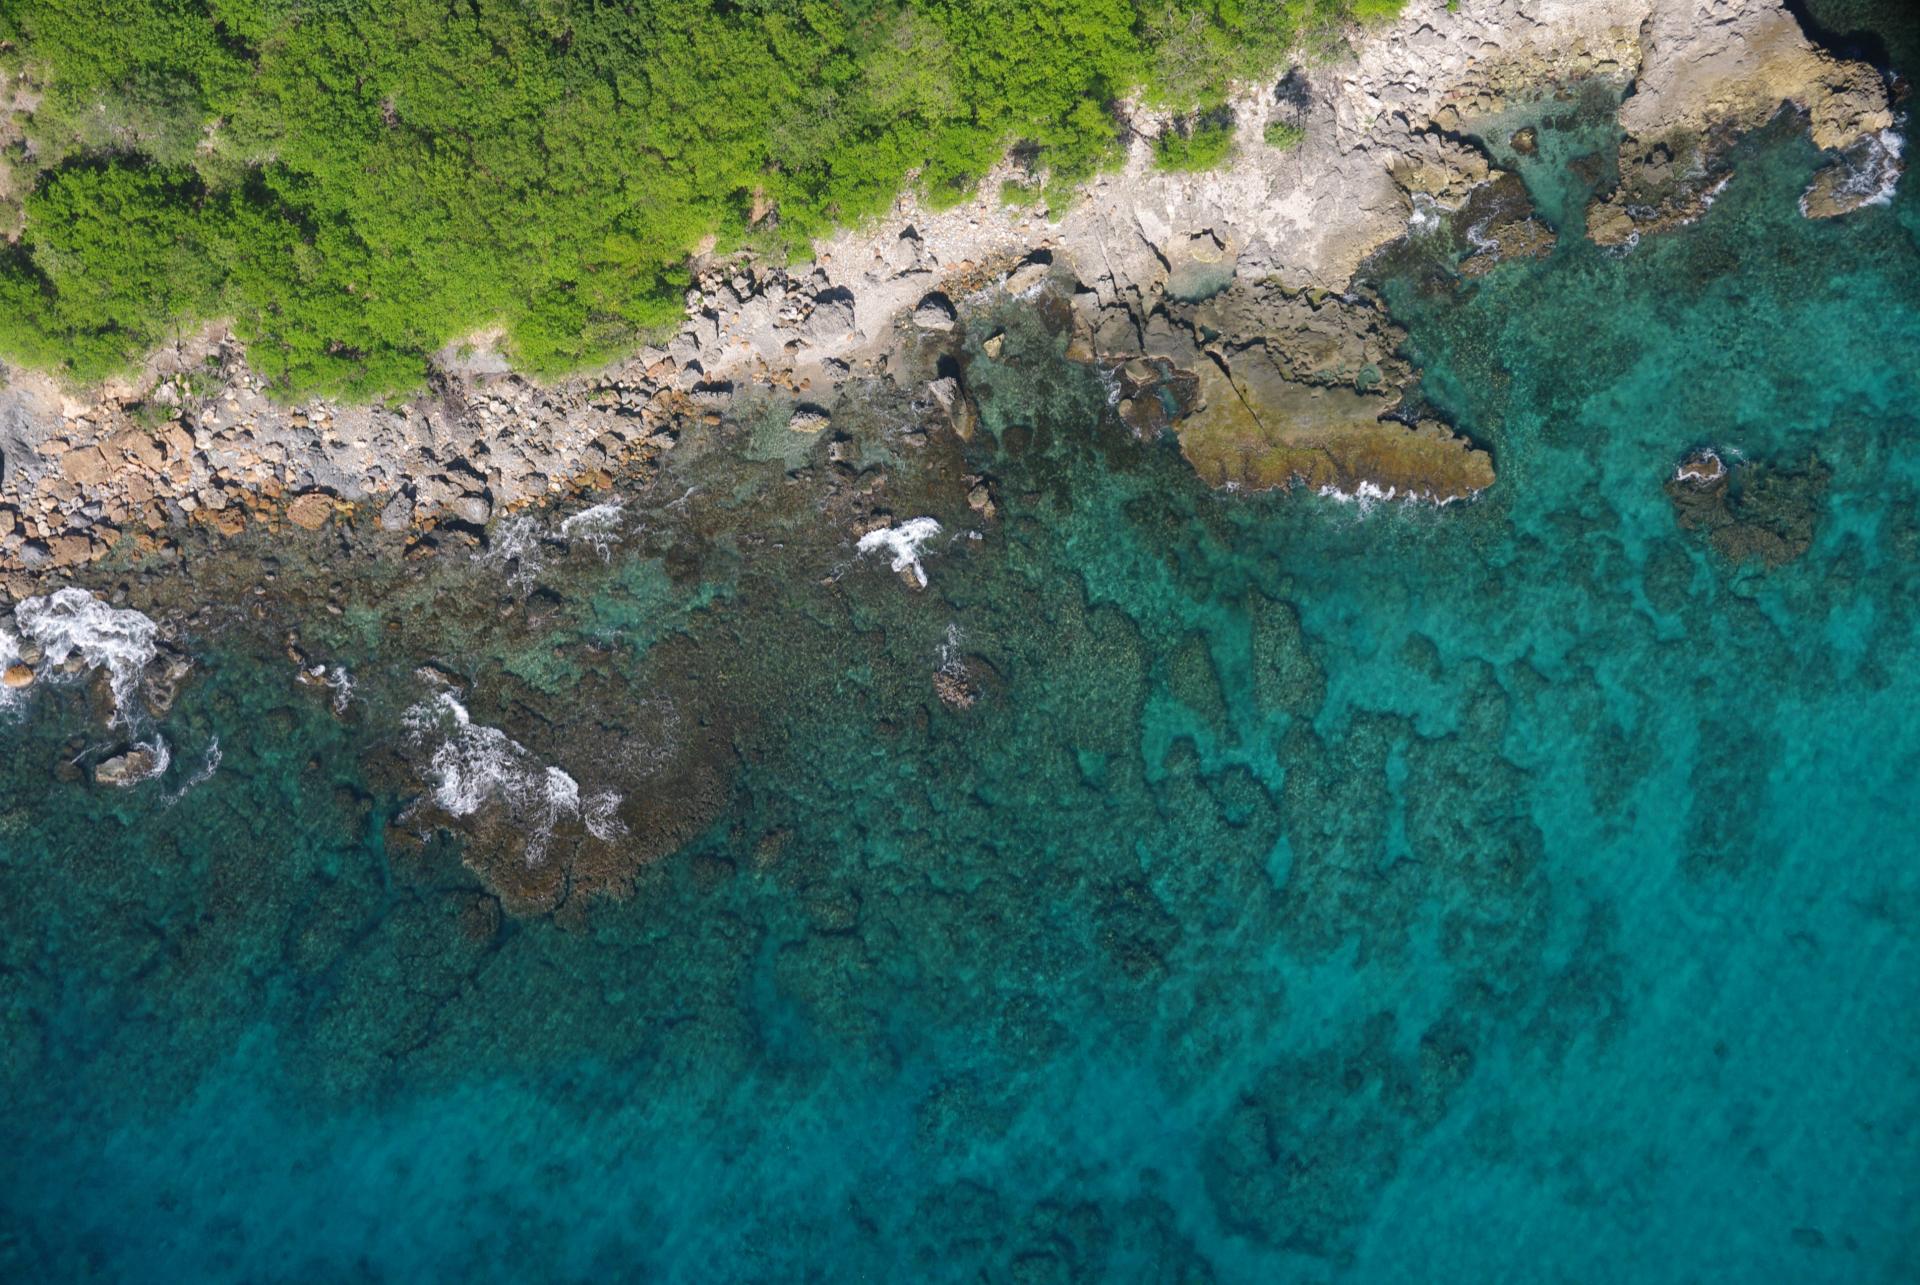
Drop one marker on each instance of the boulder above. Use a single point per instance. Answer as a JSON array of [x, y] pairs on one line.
[[17, 676], [130, 768], [832, 316], [950, 398], [474, 510], [310, 511], [397, 515], [86, 467], [934, 312]]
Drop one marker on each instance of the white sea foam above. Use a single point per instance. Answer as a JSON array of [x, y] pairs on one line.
[[904, 542], [950, 661], [519, 545], [9, 656], [599, 527], [1368, 494], [513, 545], [160, 758], [601, 816], [1701, 468], [72, 622], [342, 683], [1427, 215], [473, 765], [1477, 235]]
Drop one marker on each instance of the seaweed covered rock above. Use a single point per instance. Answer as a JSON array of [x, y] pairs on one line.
[[1754, 510]]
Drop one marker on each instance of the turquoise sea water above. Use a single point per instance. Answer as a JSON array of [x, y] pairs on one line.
[[1524, 890]]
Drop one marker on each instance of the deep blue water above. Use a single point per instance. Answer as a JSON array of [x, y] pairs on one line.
[[1524, 890]]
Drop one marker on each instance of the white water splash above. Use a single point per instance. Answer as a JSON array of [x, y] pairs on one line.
[[1427, 217], [72, 622], [1702, 468], [342, 684], [9, 656], [1876, 177], [599, 528], [473, 765], [160, 758], [601, 817], [1367, 495], [950, 660], [519, 545], [904, 542], [513, 546]]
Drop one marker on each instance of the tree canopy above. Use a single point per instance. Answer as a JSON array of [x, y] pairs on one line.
[[354, 184]]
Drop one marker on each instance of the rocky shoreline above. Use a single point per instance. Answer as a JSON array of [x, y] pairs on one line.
[[1224, 303]]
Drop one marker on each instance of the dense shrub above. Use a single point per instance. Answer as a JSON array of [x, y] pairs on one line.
[[356, 183], [1199, 142], [1282, 134]]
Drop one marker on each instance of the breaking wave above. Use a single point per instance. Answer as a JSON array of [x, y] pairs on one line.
[[599, 528], [1367, 495], [72, 622], [904, 542], [473, 765], [519, 545]]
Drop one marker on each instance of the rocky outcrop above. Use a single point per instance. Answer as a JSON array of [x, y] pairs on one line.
[[1711, 70], [130, 768], [1269, 387]]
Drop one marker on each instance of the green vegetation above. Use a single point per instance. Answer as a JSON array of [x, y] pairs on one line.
[[355, 184], [1197, 142], [1283, 135], [1020, 195]]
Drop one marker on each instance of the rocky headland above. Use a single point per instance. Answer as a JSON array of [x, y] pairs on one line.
[[1228, 305]]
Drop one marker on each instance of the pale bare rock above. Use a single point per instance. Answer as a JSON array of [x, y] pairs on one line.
[[1733, 63], [1714, 69]]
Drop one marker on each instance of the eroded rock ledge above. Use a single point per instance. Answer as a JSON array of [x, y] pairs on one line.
[[1222, 300]]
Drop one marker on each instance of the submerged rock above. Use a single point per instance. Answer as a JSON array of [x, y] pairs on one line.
[[1766, 511]]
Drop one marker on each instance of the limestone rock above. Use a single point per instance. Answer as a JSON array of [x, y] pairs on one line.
[[935, 313], [956, 405], [130, 768], [832, 315], [1865, 174], [397, 513], [310, 511], [475, 510], [809, 419]]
